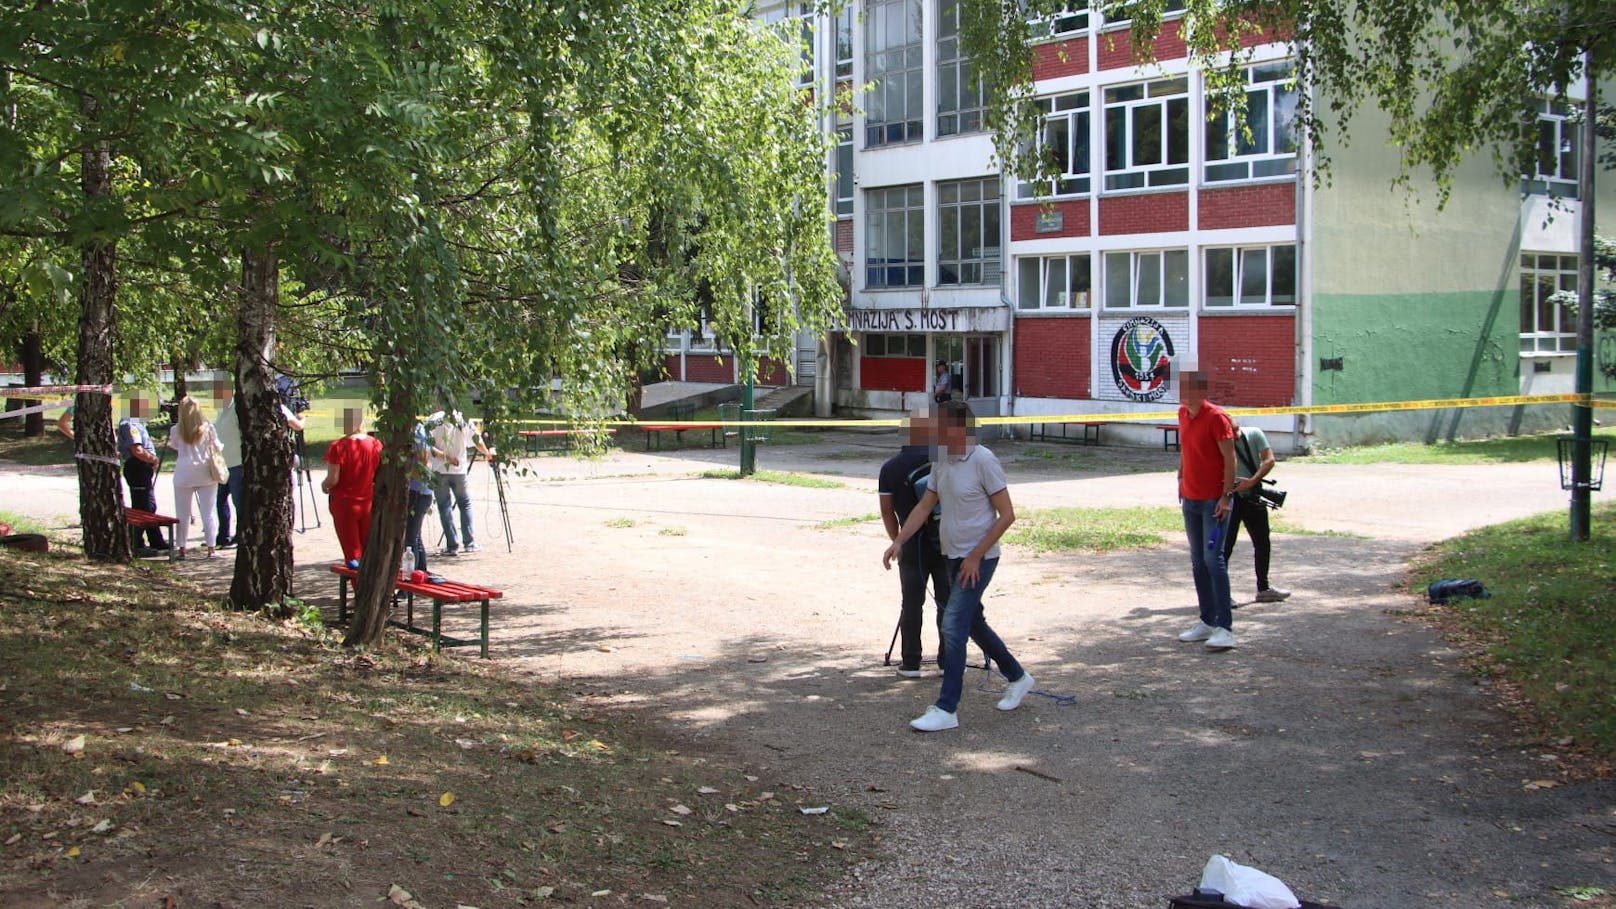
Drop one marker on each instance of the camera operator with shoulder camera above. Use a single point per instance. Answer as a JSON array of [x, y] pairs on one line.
[[1254, 460]]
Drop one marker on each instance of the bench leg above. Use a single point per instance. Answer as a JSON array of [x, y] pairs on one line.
[[437, 626], [485, 630], [342, 600]]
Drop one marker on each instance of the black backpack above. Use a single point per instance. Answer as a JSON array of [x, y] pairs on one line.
[[919, 480]]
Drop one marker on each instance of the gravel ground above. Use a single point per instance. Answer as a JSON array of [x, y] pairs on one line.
[[1340, 747]]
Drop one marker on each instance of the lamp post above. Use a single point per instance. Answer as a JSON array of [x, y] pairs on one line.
[[1582, 422]]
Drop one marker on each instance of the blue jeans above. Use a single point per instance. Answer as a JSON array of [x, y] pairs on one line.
[[454, 483], [229, 494], [420, 502], [1210, 569], [962, 620]]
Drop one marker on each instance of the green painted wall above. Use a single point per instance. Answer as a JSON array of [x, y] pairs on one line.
[[1397, 347]]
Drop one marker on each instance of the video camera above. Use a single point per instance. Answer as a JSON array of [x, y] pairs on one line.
[[291, 395], [1273, 498]]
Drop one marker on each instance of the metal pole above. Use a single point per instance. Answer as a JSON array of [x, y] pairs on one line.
[[748, 444], [1583, 417]]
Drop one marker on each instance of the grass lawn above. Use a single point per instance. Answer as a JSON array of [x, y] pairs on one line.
[[1483, 451], [1094, 529], [159, 751], [780, 477], [1549, 629]]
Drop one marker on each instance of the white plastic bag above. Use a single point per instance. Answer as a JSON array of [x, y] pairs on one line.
[[1245, 886]]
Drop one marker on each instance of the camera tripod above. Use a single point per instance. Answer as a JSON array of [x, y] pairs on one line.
[[304, 481], [499, 487]]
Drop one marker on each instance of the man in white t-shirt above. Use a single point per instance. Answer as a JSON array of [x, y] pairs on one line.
[[453, 435], [969, 482], [228, 427]]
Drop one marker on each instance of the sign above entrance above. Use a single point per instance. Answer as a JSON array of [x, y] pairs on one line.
[[950, 319]]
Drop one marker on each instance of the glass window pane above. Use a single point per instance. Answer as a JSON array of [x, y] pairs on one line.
[[1176, 264], [1285, 126], [1254, 276], [1178, 131], [875, 345], [1217, 137], [1058, 139], [1284, 286], [1147, 134], [1219, 277], [1150, 280], [1079, 280], [1257, 123], [1118, 287], [1080, 143], [1055, 282], [1027, 282], [1528, 311], [1116, 138]]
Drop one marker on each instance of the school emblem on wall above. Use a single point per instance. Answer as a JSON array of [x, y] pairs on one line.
[[1141, 359]]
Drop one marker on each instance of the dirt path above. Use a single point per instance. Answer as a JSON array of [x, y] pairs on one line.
[[1339, 747]]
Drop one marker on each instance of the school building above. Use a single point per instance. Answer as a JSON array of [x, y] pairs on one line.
[[1169, 239]]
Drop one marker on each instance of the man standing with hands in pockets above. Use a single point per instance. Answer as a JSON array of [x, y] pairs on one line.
[[1206, 463], [970, 483]]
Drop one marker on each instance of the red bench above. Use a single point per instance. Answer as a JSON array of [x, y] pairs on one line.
[[558, 439], [680, 420], [146, 520], [1039, 432], [439, 593]]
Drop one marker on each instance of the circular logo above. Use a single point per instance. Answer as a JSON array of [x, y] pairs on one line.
[[1141, 359]]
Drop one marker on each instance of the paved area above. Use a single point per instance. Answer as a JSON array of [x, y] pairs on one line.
[[1341, 747]]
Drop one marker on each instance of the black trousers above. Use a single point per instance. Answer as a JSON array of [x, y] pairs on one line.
[[142, 495], [922, 560], [1254, 515]]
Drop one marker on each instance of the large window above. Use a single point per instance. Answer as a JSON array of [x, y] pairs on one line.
[[844, 169], [1250, 276], [959, 89], [1557, 148], [893, 64], [844, 42], [887, 345], [1263, 142], [1053, 282], [1066, 136], [968, 232], [795, 22], [894, 237], [1547, 326], [1159, 278], [1147, 134]]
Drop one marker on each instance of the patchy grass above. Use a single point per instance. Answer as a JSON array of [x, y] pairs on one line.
[[1094, 529], [160, 752], [1278, 523], [849, 521], [1547, 631], [781, 477], [51, 448], [672, 532], [620, 523], [1483, 451], [21, 523]]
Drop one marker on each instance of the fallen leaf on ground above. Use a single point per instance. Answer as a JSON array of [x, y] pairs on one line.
[[601, 893], [101, 826], [381, 761], [73, 853], [74, 745], [13, 840], [241, 712], [326, 839], [706, 790], [1541, 784], [671, 822], [445, 800], [398, 896], [543, 892], [653, 897], [87, 798], [680, 810], [599, 745], [137, 787]]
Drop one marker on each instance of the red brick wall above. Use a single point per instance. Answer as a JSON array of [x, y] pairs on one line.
[[1116, 48], [670, 367], [1144, 214], [1247, 206], [1060, 58], [892, 373], [1251, 359], [1283, 33], [772, 372], [1024, 220], [844, 235], [1053, 357], [708, 368]]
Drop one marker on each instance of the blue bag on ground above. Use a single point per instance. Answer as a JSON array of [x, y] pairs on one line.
[[1467, 589]]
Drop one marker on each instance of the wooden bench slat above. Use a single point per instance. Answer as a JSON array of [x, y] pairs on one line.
[[440, 593]]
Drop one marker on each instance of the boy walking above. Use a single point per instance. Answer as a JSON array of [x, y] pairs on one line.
[[969, 482]]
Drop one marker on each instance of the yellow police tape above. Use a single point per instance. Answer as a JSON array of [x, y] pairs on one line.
[[1136, 417]]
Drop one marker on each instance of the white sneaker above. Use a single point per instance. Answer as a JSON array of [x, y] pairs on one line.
[[910, 673], [1200, 632], [935, 719], [1017, 690], [1221, 639]]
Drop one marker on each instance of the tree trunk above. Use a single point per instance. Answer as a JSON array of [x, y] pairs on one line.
[[384, 546], [180, 368], [263, 576], [33, 375], [106, 536]]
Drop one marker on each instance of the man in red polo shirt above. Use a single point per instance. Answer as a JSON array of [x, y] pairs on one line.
[[1206, 468]]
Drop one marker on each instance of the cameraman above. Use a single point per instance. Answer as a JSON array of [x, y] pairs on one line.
[[1254, 459]]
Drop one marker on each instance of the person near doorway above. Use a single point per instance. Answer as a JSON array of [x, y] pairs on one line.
[[902, 480], [1254, 461], [1206, 465], [968, 481], [943, 385]]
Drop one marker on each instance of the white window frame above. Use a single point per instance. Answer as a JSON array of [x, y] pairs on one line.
[[1561, 275], [1076, 109], [845, 22], [1558, 135], [1046, 295], [987, 259], [954, 69], [913, 212], [1242, 261], [842, 190], [880, 73], [1163, 95], [1140, 263], [1068, 23], [1173, 11], [794, 21], [1269, 87], [910, 342]]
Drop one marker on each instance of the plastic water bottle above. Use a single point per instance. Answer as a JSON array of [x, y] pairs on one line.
[[406, 564]]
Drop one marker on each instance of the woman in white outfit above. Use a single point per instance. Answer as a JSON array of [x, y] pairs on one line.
[[194, 441]]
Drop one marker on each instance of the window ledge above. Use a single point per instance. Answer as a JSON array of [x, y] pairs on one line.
[[1249, 181], [1054, 313], [1268, 309], [1145, 191]]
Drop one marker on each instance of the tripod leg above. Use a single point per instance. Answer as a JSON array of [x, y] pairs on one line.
[[887, 660]]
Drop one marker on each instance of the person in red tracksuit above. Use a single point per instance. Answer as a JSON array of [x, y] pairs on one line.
[[350, 479]]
